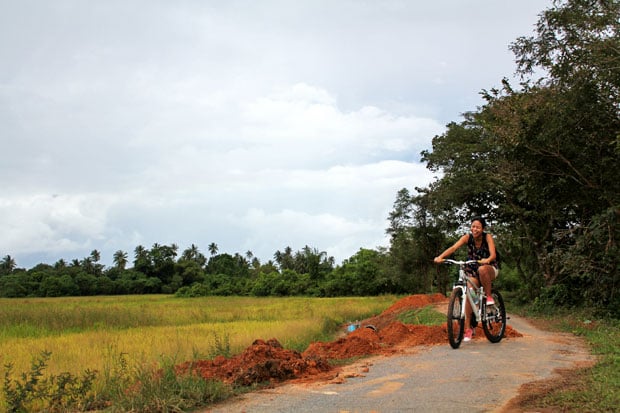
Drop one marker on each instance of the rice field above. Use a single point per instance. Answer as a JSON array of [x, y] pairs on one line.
[[87, 332]]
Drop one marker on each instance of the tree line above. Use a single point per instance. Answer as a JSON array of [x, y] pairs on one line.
[[539, 160], [160, 269]]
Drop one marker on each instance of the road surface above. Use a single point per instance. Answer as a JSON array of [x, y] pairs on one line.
[[478, 377]]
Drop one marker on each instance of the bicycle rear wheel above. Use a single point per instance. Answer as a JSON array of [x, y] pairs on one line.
[[456, 324], [494, 322]]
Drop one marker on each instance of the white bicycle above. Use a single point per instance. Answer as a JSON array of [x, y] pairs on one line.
[[492, 317]]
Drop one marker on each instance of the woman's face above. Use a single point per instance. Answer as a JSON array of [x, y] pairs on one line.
[[476, 228]]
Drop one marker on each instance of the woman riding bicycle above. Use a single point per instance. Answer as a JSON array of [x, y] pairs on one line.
[[480, 247]]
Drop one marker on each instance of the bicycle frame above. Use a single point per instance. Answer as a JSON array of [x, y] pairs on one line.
[[466, 285], [492, 318]]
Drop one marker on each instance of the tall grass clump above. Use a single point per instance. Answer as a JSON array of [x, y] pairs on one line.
[[156, 387]]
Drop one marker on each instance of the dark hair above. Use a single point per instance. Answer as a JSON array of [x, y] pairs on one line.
[[482, 221]]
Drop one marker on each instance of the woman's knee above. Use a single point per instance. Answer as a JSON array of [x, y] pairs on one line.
[[487, 272]]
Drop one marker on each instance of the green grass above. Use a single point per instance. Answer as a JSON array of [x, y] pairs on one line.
[[427, 316], [594, 389]]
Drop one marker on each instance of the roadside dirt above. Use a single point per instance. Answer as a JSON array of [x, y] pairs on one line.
[[266, 362], [268, 365]]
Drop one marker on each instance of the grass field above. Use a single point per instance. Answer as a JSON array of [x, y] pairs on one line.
[[89, 332]]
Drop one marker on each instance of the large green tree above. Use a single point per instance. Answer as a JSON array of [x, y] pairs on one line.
[[542, 160]]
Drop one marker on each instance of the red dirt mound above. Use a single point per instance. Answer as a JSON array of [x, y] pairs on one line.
[[268, 362], [263, 361]]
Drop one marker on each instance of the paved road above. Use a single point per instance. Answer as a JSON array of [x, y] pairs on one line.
[[478, 377]]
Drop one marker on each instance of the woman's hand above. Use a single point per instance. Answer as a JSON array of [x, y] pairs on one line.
[[438, 260]]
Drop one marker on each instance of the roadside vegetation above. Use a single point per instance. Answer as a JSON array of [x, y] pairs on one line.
[[588, 389], [119, 352]]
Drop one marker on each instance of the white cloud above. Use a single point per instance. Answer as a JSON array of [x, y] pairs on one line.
[[255, 125], [51, 223]]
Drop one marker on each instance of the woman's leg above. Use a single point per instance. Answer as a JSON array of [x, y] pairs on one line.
[[468, 308], [487, 275]]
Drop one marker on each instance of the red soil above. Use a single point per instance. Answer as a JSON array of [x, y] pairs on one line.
[[268, 362]]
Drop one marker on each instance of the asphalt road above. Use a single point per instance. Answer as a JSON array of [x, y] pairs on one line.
[[478, 377]]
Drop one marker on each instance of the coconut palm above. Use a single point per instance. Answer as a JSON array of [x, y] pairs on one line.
[[120, 259], [193, 254], [213, 248], [7, 264]]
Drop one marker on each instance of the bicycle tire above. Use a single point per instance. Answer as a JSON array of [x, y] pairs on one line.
[[456, 324], [494, 322]]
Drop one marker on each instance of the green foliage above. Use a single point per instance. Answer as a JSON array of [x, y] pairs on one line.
[[64, 392], [220, 346], [148, 388], [427, 316], [361, 275], [508, 279], [541, 162]]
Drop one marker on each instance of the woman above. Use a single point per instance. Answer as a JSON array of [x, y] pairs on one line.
[[480, 247]]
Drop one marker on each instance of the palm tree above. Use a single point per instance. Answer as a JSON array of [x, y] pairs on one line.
[[142, 260], [95, 256], [190, 253], [213, 248], [120, 259], [193, 254], [60, 264], [139, 252], [7, 264]]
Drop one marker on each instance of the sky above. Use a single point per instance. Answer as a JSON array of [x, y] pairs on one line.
[[254, 125]]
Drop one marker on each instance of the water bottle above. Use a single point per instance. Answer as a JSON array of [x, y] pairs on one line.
[[473, 296]]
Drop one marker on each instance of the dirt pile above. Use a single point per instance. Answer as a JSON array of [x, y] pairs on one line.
[[263, 361], [268, 362]]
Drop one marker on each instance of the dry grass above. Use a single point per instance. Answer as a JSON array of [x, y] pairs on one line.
[[88, 332]]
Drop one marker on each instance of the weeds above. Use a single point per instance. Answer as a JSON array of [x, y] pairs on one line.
[[144, 388], [161, 389], [427, 316], [220, 346], [56, 393]]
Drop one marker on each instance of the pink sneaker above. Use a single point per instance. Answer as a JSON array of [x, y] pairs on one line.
[[490, 300], [468, 334]]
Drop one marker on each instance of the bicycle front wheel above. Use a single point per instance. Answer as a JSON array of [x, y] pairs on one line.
[[456, 324], [494, 322]]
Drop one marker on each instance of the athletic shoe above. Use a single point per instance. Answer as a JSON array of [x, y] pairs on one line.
[[468, 334], [490, 300]]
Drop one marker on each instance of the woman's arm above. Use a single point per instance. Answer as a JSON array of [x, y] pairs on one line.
[[458, 244]]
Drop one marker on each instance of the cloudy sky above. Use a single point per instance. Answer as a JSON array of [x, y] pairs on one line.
[[256, 125]]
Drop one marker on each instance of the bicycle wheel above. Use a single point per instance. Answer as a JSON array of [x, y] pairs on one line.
[[456, 324], [494, 322]]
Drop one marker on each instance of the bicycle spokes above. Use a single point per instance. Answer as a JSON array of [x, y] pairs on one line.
[[455, 323], [494, 323]]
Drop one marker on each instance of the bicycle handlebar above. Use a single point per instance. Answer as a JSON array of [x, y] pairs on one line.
[[450, 261]]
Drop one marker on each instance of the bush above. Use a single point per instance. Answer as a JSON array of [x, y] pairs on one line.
[[55, 393]]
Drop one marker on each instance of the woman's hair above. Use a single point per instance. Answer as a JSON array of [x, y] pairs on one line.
[[481, 220]]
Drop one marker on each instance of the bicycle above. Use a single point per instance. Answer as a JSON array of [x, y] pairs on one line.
[[492, 317]]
